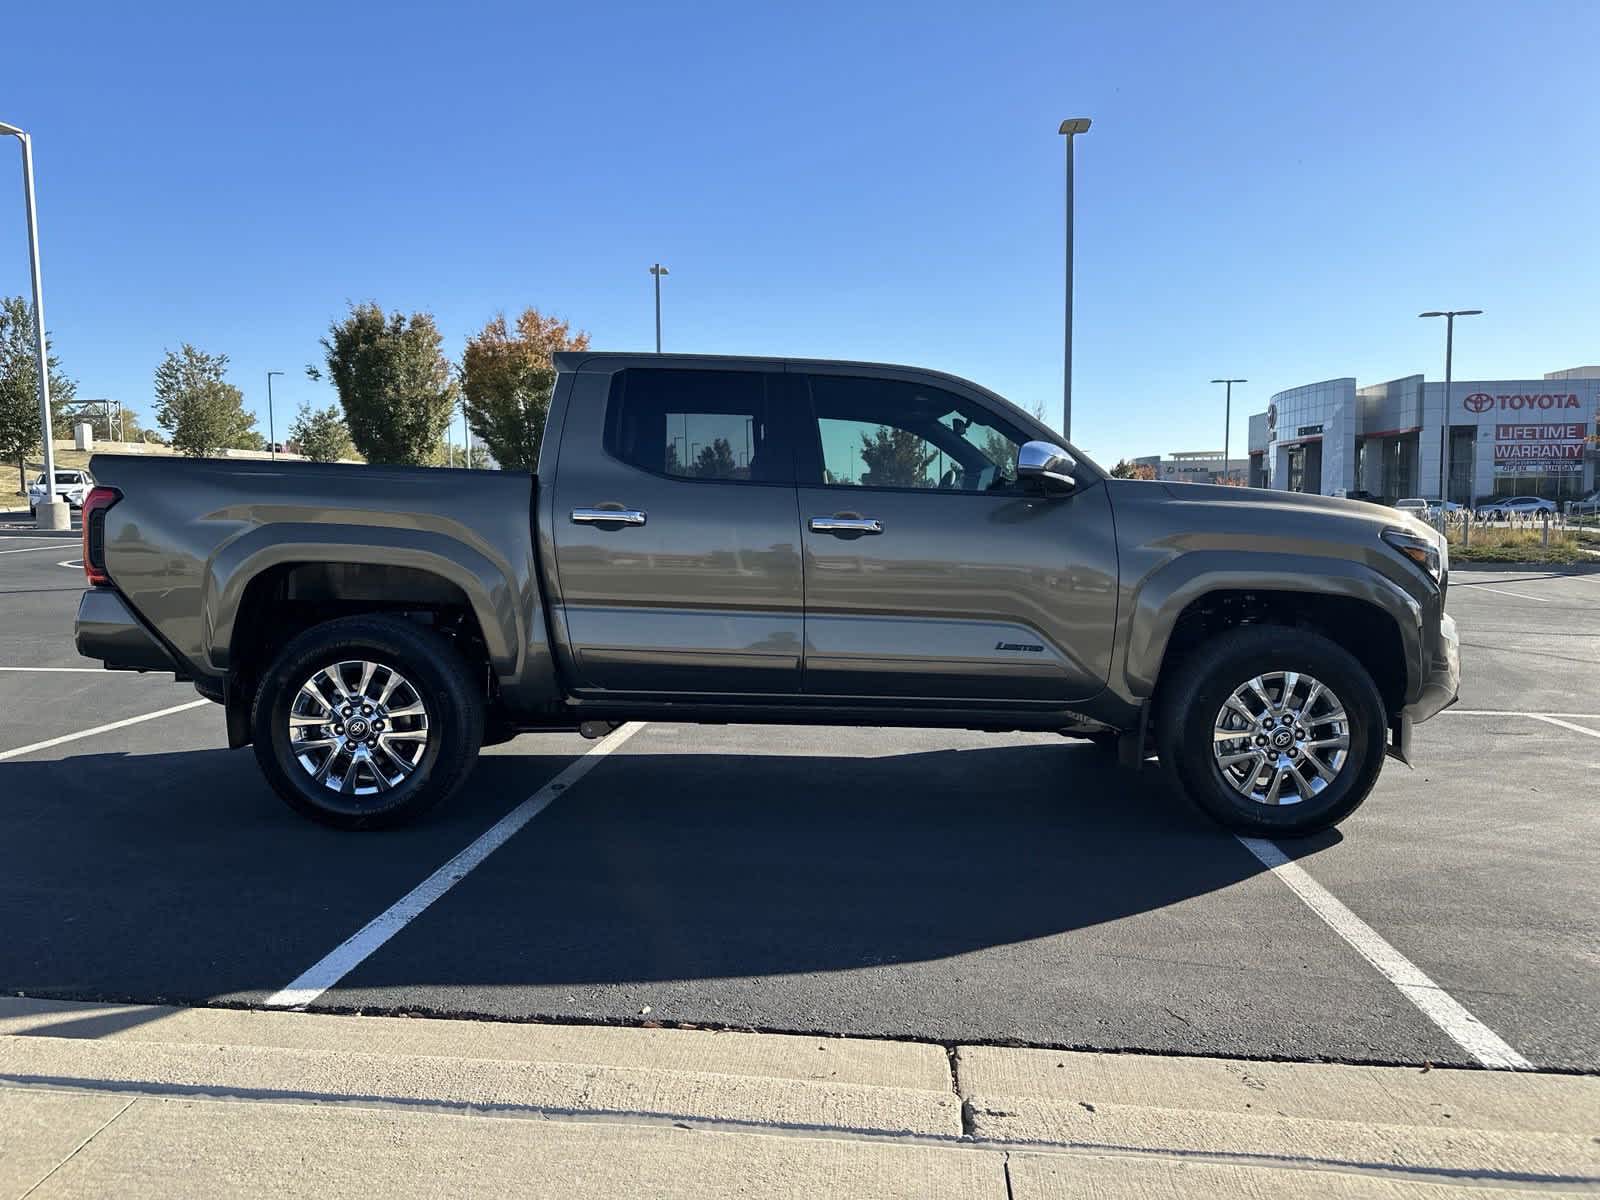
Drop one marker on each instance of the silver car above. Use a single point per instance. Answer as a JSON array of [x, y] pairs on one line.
[[1588, 506], [1516, 506]]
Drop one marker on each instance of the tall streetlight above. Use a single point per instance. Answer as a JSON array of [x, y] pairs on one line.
[[52, 512], [1444, 409], [1227, 420], [1071, 127], [658, 271], [272, 428]]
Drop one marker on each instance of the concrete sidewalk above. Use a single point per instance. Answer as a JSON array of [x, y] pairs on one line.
[[102, 1100]]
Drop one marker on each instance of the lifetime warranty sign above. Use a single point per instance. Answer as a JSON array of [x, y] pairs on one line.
[[1538, 448]]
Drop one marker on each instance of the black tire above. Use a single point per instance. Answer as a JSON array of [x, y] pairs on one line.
[[441, 682], [1190, 702]]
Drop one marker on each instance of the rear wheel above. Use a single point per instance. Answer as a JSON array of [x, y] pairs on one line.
[[1273, 730], [365, 722]]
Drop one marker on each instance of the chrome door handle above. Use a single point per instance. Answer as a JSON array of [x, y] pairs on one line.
[[846, 525], [607, 516]]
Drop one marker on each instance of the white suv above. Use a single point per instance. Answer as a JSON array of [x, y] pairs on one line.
[[71, 486]]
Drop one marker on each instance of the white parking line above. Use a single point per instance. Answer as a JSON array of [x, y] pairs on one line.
[[70, 670], [83, 733], [361, 945], [1550, 720], [1459, 1025], [31, 549], [1506, 592], [1506, 712]]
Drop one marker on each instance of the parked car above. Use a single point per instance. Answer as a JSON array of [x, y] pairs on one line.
[[1515, 506], [1428, 509], [775, 541], [1588, 506], [71, 486]]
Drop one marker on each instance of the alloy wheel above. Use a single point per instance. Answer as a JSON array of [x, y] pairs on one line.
[[358, 728], [1281, 738]]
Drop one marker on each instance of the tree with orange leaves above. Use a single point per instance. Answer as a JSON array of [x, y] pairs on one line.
[[1132, 470], [507, 376]]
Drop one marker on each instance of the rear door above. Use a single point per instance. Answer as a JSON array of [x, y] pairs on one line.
[[676, 534], [930, 573]]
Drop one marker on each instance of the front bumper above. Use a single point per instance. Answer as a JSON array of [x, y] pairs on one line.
[[108, 630], [1441, 687]]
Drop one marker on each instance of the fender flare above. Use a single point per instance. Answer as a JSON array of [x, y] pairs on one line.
[[490, 589], [1169, 590]]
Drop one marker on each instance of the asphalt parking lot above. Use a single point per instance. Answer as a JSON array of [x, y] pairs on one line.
[[935, 885]]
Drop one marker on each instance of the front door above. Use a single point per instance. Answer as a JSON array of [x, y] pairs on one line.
[[930, 572], [677, 544]]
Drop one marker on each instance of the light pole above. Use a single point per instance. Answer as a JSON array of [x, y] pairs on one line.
[[1071, 127], [52, 512], [658, 271], [1227, 420], [1444, 409], [272, 428], [466, 436]]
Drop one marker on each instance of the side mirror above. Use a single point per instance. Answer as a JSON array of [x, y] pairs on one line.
[[1048, 463]]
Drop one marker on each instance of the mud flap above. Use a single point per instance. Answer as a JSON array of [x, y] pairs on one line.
[[1400, 739], [237, 710], [1132, 745]]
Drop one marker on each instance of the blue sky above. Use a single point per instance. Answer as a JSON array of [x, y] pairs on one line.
[[1269, 190]]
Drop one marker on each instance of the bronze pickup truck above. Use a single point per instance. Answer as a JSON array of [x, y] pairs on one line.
[[780, 541]]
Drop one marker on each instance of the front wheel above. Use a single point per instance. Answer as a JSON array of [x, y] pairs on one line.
[[1272, 730], [365, 722]]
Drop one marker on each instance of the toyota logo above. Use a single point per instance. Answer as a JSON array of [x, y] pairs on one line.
[[1479, 402]]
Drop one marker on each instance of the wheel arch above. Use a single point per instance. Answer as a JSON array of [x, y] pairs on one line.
[[1348, 603], [352, 570]]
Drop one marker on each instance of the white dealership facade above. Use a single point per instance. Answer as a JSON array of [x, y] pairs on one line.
[[1507, 437]]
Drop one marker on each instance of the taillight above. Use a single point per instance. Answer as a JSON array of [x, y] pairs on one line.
[[95, 505]]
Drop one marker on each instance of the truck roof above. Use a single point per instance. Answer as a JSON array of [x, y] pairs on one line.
[[576, 360]]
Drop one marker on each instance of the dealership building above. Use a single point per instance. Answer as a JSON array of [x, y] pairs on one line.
[[1507, 437]]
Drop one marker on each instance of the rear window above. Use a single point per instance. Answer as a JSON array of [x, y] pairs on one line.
[[699, 425]]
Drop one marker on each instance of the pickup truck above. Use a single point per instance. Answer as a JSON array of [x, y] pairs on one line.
[[757, 540]]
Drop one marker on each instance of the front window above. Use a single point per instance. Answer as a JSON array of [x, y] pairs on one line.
[[888, 434]]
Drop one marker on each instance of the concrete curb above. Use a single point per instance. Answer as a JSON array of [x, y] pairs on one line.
[[130, 1100]]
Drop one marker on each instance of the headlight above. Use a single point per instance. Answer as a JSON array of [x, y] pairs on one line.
[[1428, 553]]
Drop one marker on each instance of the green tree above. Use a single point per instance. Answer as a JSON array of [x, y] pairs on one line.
[[320, 434], [394, 383], [448, 454], [1002, 452], [507, 376], [895, 458], [200, 410], [19, 387], [715, 461]]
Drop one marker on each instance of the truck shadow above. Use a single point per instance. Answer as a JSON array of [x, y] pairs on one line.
[[180, 877]]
